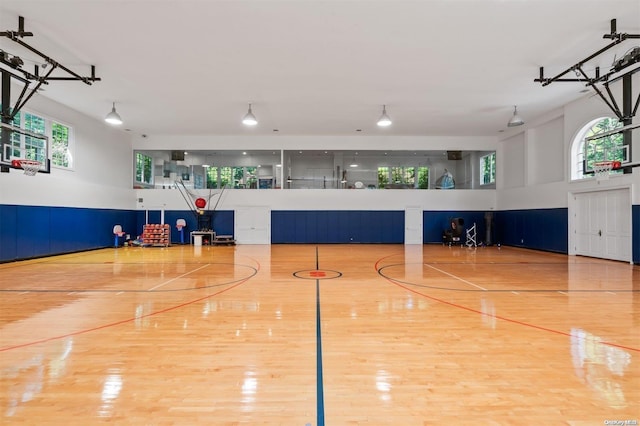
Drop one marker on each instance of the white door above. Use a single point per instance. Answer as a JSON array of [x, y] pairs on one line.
[[253, 225], [602, 224], [413, 225]]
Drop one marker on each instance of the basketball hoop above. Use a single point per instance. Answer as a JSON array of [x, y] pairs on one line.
[[602, 169], [30, 167]]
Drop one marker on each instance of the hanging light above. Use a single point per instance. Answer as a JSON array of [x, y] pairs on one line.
[[384, 120], [249, 119], [113, 117], [353, 162], [516, 120]]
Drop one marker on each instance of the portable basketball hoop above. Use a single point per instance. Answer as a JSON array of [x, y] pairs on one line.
[[602, 169], [30, 167]]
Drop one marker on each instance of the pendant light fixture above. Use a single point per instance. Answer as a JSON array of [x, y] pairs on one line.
[[384, 120], [113, 117], [249, 119], [516, 120]]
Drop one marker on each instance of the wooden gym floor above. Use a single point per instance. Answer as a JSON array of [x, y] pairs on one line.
[[314, 335]]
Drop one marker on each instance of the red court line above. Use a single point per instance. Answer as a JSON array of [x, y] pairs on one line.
[[113, 324], [526, 324]]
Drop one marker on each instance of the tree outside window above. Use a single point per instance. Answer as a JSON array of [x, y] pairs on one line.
[[488, 169], [383, 177], [608, 148], [611, 147], [212, 177], [144, 168], [252, 177], [33, 148], [225, 176], [60, 145], [423, 177]]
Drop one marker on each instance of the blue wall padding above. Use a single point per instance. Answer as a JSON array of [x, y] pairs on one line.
[[635, 223], [541, 229], [35, 231], [336, 226]]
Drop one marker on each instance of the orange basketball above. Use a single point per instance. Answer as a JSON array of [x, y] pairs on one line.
[[200, 203]]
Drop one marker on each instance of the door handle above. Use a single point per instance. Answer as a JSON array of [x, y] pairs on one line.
[[600, 232]]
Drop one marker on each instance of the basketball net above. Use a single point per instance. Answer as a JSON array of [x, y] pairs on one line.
[[602, 169], [30, 167]]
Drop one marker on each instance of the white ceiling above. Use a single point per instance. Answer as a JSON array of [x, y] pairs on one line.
[[314, 67]]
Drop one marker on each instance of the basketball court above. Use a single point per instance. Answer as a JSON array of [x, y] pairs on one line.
[[288, 327], [294, 334]]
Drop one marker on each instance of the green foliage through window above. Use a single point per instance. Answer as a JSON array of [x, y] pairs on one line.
[[488, 169], [144, 166], [608, 148]]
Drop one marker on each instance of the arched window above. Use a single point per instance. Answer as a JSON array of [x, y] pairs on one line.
[[611, 146]]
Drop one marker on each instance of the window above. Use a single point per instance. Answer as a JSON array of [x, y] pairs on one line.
[[144, 166], [383, 177], [488, 169], [212, 177], [423, 177], [225, 176], [238, 177], [252, 177], [608, 148], [33, 148], [403, 176], [60, 154]]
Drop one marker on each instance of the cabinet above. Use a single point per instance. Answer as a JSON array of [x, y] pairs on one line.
[[156, 235]]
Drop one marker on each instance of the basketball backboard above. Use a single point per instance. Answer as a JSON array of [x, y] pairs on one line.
[[607, 148], [21, 144]]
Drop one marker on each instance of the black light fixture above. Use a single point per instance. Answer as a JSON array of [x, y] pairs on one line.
[[516, 120], [113, 117]]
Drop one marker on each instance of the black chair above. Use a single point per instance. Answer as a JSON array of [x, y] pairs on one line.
[[453, 235]]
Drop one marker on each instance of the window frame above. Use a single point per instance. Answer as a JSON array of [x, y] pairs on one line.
[[20, 120], [492, 169], [577, 149]]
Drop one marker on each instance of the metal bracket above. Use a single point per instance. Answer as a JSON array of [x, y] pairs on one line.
[[13, 64], [630, 59]]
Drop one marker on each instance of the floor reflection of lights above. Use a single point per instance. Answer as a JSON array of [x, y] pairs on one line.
[[110, 392]]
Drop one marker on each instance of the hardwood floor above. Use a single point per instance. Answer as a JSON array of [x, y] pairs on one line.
[[314, 335]]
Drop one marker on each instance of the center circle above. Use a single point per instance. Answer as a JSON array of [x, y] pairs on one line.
[[317, 274]]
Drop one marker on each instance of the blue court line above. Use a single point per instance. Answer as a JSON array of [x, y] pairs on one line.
[[319, 378]]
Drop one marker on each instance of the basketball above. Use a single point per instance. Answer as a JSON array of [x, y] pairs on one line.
[[200, 203]]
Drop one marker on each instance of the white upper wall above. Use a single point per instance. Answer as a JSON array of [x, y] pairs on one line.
[[534, 160], [102, 173], [532, 166]]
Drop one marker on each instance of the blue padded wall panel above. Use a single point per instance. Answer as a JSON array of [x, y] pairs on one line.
[[337, 226], [541, 229], [8, 232], [322, 225], [635, 225], [35, 231], [34, 226]]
